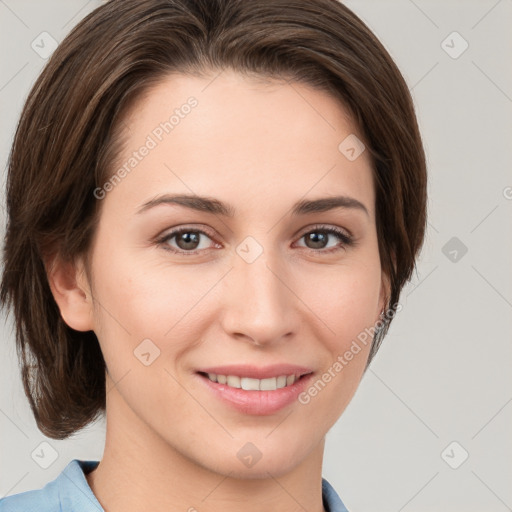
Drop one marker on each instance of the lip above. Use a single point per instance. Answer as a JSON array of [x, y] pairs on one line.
[[257, 403]]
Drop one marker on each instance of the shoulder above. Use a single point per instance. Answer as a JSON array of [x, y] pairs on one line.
[[67, 492], [332, 502], [40, 500]]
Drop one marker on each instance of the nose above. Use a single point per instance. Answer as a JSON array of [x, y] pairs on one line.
[[258, 302]]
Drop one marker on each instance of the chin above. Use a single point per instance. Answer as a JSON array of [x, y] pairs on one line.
[[250, 463], [261, 470]]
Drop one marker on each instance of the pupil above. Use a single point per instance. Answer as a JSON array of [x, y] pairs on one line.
[[314, 237], [188, 238]]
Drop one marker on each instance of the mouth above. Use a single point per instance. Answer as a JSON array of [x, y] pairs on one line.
[[255, 391], [253, 384]]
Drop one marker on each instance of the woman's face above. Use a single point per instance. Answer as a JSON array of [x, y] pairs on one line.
[[261, 287]]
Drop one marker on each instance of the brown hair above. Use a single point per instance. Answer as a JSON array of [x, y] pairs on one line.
[[65, 144]]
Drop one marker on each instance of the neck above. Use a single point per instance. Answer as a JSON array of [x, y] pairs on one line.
[[140, 471]]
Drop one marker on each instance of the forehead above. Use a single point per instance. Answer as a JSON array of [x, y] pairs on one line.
[[246, 141]]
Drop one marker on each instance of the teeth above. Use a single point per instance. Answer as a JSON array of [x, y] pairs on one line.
[[249, 384], [267, 384], [233, 381]]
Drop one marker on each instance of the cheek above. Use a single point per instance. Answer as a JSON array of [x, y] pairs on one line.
[[345, 299], [149, 298], [346, 303]]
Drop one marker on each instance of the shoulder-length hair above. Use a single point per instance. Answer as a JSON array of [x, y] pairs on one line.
[[65, 146]]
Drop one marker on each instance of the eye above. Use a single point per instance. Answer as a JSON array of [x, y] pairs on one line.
[[191, 241], [317, 239], [188, 240]]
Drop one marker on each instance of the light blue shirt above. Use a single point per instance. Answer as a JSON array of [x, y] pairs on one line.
[[70, 492]]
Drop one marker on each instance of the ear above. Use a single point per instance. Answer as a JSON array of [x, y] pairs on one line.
[[71, 291]]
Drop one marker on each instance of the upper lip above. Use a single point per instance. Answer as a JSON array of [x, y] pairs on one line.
[[254, 372]]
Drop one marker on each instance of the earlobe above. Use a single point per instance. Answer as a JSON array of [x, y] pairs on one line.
[[71, 292]]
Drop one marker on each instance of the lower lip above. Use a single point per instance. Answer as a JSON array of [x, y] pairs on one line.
[[258, 403]]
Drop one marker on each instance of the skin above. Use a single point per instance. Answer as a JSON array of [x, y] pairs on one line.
[[170, 444]]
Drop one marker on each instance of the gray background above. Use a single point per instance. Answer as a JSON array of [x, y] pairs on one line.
[[443, 373]]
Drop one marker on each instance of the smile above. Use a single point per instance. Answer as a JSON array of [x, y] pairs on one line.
[[256, 390], [250, 384]]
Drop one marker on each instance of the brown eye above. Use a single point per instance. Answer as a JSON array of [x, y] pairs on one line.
[[318, 238], [186, 240]]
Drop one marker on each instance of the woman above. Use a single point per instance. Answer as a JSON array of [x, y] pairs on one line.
[[213, 206]]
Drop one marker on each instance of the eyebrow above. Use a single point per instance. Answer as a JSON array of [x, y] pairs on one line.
[[214, 206]]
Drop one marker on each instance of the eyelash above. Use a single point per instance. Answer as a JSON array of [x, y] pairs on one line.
[[346, 239]]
